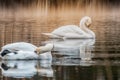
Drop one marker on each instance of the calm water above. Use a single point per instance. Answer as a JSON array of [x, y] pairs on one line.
[[26, 20]]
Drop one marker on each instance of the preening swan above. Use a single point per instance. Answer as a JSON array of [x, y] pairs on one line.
[[22, 50], [19, 46], [73, 31], [6, 54], [24, 46]]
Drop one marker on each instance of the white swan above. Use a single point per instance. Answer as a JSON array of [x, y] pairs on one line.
[[16, 48], [19, 46], [73, 31], [24, 46], [26, 51], [7, 55]]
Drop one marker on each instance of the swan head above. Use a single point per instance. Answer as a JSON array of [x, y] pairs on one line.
[[86, 21], [38, 50], [4, 52]]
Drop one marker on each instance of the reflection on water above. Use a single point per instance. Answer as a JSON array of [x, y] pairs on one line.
[[60, 70], [25, 20], [87, 73], [76, 48], [18, 69], [26, 69]]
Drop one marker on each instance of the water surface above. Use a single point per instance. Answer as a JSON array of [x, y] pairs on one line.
[[25, 21]]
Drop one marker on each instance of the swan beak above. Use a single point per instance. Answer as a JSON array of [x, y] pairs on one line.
[[89, 25], [37, 50]]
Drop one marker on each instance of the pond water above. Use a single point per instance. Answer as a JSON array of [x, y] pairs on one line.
[[26, 20]]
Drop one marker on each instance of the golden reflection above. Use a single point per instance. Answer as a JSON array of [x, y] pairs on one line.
[[26, 23]]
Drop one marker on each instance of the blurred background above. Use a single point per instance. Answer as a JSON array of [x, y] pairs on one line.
[[25, 20]]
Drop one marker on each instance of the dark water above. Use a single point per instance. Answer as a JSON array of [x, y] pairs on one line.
[[26, 20]]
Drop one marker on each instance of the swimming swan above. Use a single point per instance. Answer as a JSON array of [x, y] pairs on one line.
[[73, 31]]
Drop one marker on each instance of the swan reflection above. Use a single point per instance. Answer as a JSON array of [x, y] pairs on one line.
[[26, 69], [81, 48], [45, 68]]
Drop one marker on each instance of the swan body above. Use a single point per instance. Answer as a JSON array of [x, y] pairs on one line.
[[19, 46], [22, 50], [26, 55], [19, 55], [73, 31], [27, 47]]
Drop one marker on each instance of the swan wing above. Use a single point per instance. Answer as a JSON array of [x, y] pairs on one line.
[[75, 35], [20, 46], [21, 55], [51, 35], [68, 29]]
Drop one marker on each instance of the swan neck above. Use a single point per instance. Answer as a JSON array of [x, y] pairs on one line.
[[45, 48], [86, 29], [83, 27]]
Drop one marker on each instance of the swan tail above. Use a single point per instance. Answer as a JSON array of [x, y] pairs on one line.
[[51, 35], [48, 34]]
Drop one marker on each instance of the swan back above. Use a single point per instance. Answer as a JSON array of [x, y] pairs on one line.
[[19, 46], [7, 54]]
